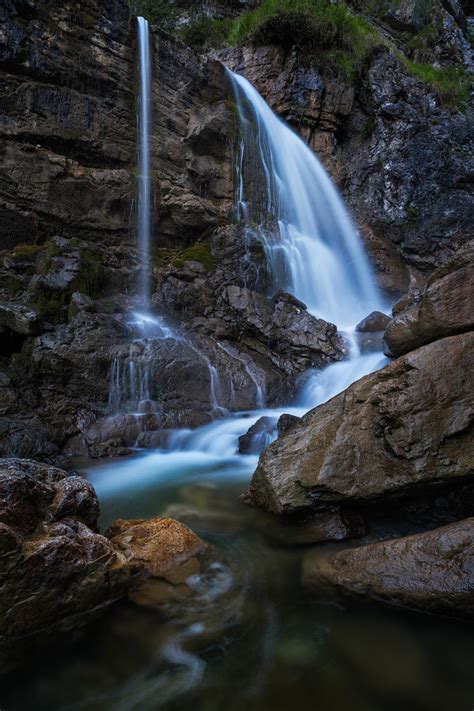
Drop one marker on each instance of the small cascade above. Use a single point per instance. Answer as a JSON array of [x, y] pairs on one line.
[[130, 378], [313, 250], [144, 176]]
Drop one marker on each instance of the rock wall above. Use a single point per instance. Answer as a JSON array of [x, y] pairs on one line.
[[68, 122], [402, 158], [67, 118]]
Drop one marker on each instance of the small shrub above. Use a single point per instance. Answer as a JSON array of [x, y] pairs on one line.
[[205, 33]]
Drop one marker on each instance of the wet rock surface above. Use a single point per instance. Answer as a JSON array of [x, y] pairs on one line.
[[442, 308], [407, 425], [402, 158], [57, 571], [431, 571], [258, 437], [164, 556], [374, 322]]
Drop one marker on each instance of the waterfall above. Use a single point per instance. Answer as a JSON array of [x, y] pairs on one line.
[[314, 250], [144, 177]]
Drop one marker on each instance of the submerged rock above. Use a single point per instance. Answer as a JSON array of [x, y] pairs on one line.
[[58, 572], [408, 425], [431, 571], [442, 308]]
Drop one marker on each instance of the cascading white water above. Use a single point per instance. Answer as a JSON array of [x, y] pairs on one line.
[[315, 252], [144, 176]]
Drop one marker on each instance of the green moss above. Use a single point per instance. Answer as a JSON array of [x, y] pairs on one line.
[[27, 249], [91, 278], [196, 253], [368, 128], [453, 84], [413, 215], [51, 307]]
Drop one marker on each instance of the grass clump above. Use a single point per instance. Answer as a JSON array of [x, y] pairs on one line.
[[196, 253], [452, 84], [346, 37]]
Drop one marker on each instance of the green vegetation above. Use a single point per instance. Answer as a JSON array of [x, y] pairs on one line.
[[205, 33], [368, 128], [159, 11], [51, 307], [413, 215], [453, 84], [347, 39], [91, 276], [196, 253]]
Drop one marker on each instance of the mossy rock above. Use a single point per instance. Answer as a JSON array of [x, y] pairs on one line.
[[200, 252]]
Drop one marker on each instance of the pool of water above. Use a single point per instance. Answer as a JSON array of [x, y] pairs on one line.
[[254, 639]]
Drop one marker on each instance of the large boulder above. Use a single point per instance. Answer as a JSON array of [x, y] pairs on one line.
[[404, 427], [443, 308], [431, 571], [57, 571]]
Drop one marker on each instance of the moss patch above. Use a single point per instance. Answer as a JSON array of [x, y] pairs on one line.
[[196, 253], [452, 84]]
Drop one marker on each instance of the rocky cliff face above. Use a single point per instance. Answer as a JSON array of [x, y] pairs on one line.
[[68, 110], [69, 264], [402, 158]]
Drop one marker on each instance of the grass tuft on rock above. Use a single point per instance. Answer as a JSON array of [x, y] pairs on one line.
[[452, 84], [196, 253]]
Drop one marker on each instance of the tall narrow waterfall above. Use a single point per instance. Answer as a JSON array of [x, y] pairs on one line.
[[144, 177], [313, 251]]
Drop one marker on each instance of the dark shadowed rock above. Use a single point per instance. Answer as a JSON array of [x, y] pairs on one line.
[[80, 302], [57, 571], [442, 308], [19, 319], [335, 525], [286, 422], [376, 321], [405, 426], [431, 571]]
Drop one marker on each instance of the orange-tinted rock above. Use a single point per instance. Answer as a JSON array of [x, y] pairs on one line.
[[162, 554]]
